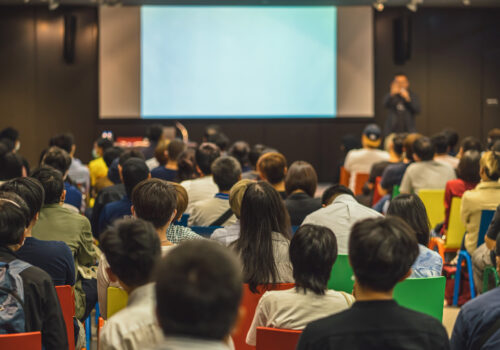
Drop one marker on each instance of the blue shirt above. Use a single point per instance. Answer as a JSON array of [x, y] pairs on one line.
[[113, 211], [475, 318], [73, 196], [163, 173], [428, 263], [53, 257], [393, 175]]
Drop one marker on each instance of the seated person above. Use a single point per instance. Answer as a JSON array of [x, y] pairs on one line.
[[133, 171], [313, 251], [340, 211], [452, 137], [154, 134], [40, 305], [241, 150], [272, 168], [381, 252], [469, 143], [11, 164], [216, 211], [477, 323], [110, 156], [11, 136], [187, 166], [491, 236], [411, 209], [167, 169], [135, 326], [301, 182], [97, 167], [56, 223], [440, 142], [253, 157], [229, 234], [198, 296], [425, 173]]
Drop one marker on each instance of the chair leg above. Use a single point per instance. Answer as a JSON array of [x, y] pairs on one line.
[[456, 290], [468, 259], [97, 313], [88, 331]]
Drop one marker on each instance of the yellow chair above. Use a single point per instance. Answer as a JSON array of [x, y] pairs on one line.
[[434, 204], [117, 300]]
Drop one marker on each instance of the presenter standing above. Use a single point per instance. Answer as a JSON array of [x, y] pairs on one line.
[[402, 104]]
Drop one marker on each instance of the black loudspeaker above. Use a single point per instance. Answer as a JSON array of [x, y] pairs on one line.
[[401, 29], [69, 38]]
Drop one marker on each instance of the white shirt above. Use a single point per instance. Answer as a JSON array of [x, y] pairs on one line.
[[360, 161], [292, 309], [199, 189], [134, 327], [180, 343], [152, 163], [79, 173], [447, 159], [204, 213], [426, 175], [339, 217], [227, 235]]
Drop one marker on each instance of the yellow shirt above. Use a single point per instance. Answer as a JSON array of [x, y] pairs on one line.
[[97, 169]]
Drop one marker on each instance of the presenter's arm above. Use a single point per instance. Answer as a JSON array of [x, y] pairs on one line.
[[413, 104], [390, 101]]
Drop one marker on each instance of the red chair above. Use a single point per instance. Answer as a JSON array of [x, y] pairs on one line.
[[21, 341], [249, 302], [359, 182], [274, 338], [67, 302], [344, 177], [376, 194]]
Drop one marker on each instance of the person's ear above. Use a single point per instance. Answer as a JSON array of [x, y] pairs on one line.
[[285, 171], [120, 172], [242, 311], [416, 158], [73, 150], [132, 210], [198, 170], [112, 277], [63, 196]]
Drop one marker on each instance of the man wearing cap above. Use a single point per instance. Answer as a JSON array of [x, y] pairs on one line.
[[402, 104], [360, 161]]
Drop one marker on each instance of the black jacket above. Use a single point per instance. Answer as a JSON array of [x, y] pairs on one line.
[[300, 205], [401, 114]]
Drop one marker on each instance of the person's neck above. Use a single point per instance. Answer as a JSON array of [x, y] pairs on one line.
[[280, 187], [162, 235], [394, 158], [172, 165], [366, 294], [298, 191]]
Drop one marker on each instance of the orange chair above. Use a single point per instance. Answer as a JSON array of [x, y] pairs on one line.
[[274, 338], [67, 302], [21, 341], [249, 302], [376, 194], [344, 177], [359, 182]]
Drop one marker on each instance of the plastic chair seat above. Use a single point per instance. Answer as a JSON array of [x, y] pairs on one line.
[[342, 276], [274, 338], [67, 302], [434, 204], [21, 341], [424, 295]]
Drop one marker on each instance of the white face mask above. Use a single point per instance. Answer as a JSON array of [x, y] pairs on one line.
[[18, 146]]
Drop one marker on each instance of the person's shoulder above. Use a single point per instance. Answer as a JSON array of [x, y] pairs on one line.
[[420, 321], [35, 276], [327, 326]]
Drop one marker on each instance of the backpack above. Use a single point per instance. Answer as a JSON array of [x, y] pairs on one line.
[[12, 297]]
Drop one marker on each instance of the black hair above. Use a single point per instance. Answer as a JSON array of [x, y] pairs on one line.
[[255, 152], [30, 190], [468, 167], [301, 176], [411, 209], [381, 252], [134, 171], [220, 139], [104, 143], [313, 251], [198, 291], [398, 143], [226, 172], [154, 133], [424, 148], [111, 154], [11, 165], [9, 133], [175, 148], [154, 200], [132, 249], [186, 165], [240, 150], [399, 74], [13, 221], [262, 213], [128, 154], [332, 191], [452, 137], [440, 143], [64, 141], [14, 197], [52, 183], [58, 159], [471, 143], [205, 156]]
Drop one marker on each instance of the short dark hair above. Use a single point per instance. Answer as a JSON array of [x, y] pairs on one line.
[[111, 154], [468, 167], [240, 150], [132, 249], [408, 145], [198, 290], [301, 176], [104, 143], [411, 209], [12, 222], [154, 132], [255, 152], [333, 191], [381, 252], [398, 143], [226, 172], [273, 166], [11, 165], [175, 148], [493, 136], [313, 251], [186, 165], [154, 200], [64, 141], [452, 136], [471, 143], [15, 198], [52, 183], [134, 171], [205, 155], [399, 74], [9, 133], [220, 139], [57, 158], [424, 148], [128, 154], [440, 143], [30, 190]]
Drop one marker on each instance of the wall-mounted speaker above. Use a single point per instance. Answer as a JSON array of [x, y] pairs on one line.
[[401, 29], [69, 38]]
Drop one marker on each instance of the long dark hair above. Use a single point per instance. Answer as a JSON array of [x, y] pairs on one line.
[[411, 209], [262, 212]]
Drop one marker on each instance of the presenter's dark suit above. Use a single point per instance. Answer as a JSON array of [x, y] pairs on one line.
[[401, 113]]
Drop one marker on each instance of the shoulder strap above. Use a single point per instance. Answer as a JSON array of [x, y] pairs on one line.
[[223, 218], [17, 266], [487, 335]]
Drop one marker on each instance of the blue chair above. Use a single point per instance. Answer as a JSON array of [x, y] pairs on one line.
[[486, 218], [183, 221], [294, 229], [88, 325], [205, 231]]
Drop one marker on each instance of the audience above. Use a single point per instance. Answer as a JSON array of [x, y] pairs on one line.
[[154, 134], [11, 164], [469, 144], [264, 237], [110, 156], [493, 136], [411, 209], [381, 252], [452, 137], [313, 251], [167, 169], [97, 167], [493, 231], [440, 143], [301, 182], [395, 149], [241, 150], [340, 211], [253, 157], [272, 167], [11, 136], [186, 165]]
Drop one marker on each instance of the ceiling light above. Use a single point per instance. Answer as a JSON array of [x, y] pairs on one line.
[[379, 5]]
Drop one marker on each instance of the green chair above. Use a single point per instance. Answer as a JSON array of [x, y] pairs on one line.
[[341, 277], [424, 295], [395, 191], [434, 205], [490, 270]]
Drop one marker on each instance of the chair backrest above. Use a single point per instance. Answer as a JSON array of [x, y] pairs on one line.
[[424, 295], [204, 231], [344, 177], [395, 191], [117, 300], [376, 194], [67, 302], [456, 229], [249, 302], [359, 182], [434, 205], [342, 276], [183, 221], [21, 341], [486, 219], [274, 338]]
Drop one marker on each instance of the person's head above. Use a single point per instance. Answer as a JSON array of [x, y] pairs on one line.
[[301, 177], [12, 135], [349, 142], [490, 166], [496, 147], [493, 136], [468, 167], [423, 149], [111, 154], [411, 209], [132, 172], [128, 154], [470, 143], [408, 145], [154, 200], [13, 219], [30, 190], [332, 192], [381, 252], [101, 145], [226, 172], [155, 133], [65, 141], [236, 195], [174, 149], [58, 159], [440, 143], [220, 139], [205, 155], [401, 79], [452, 137], [272, 167], [182, 199], [186, 165], [313, 251], [255, 152], [132, 249], [372, 136], [397, 145], [240, 150], [11, 165], [199, 289], [52, 183], [211, 130], [161, 153]]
